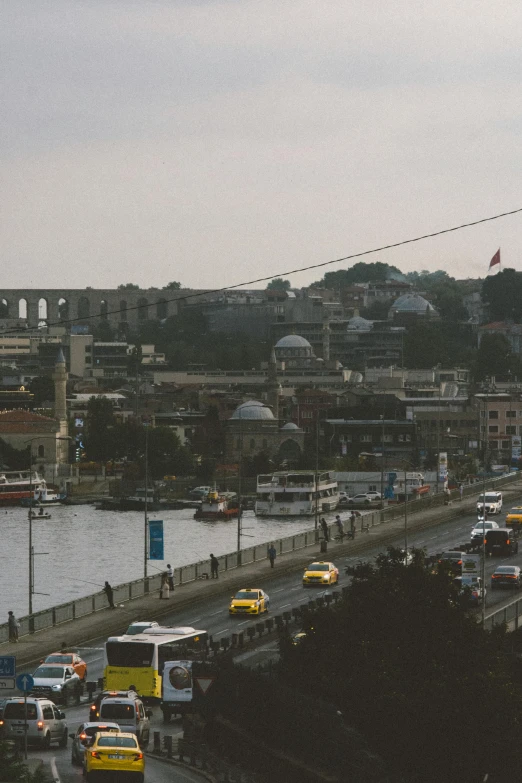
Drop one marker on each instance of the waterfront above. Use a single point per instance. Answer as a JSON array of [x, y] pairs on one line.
[[85, 547]]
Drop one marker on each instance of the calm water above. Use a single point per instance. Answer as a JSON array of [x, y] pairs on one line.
[[85, 547]]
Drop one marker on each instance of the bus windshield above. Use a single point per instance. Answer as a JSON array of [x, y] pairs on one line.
[[139, 654]]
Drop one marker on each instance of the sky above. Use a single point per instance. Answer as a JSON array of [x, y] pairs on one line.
[[215, 143]]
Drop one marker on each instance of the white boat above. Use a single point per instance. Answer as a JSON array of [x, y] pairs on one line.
[[39, 514], [296, 493], [17, 485]]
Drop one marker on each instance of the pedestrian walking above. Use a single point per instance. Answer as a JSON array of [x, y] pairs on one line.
[[107, 589], [340, 527], [170, 576], [272, 555], [214, 565], [447, 496], [324, 528], [461, 491], [164, 589], [13, 626], [352, 524]]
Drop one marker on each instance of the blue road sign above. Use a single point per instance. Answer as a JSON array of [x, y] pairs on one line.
[[24, 683], [156, 539], [7, 665]]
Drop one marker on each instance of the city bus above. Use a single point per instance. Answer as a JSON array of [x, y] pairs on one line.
[[139, 660]]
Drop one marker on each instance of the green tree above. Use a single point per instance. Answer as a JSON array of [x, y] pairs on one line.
[[128, 287], [99, 426], [428, 343], [359, 273], [403, 660], [43, 389], [103, 331], [495, 357], [14, 459], [278, 284], [174, 286], [502, 294]]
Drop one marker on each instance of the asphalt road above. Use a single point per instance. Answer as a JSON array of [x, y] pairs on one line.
[[285, 592]]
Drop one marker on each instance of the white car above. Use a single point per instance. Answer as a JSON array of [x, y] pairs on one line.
[[362, 497], [344, 497], [374, 495], [493, 503], [141, 626], [482, 526]]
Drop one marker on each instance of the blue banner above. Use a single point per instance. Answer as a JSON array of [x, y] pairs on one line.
[[156, 539]]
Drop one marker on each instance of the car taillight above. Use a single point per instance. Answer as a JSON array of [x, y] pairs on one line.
[[95, 754], [83, 736], [1, 722], [40, 725], [138, 756]]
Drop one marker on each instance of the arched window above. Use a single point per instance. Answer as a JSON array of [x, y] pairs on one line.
[[161, 309], [22, 308], [103, 309], [143, 308], [41, 451], [84, 307], [252, 444], [63, 309], [4, 308], [42, 309]]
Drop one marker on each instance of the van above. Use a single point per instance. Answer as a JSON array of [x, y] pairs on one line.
[[501, 542], [493, 502], [130, 714], [45, 722]]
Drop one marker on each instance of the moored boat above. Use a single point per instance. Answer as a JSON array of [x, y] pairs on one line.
[[41, 514], [296, 493], [18, 485], [215, 506], [44, 497]]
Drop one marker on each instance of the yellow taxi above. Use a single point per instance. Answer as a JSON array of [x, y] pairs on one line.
[[320, 573], [249, 600], [114, 751], [514, 517]]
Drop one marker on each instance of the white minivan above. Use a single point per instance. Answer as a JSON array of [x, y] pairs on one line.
[[493, 502], [130, 715]]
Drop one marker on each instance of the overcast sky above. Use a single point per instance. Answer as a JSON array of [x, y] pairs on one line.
[[217, 142]]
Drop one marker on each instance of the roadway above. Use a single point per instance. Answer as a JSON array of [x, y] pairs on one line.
[[286, 592]]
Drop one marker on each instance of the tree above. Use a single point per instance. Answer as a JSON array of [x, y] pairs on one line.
[[495, 357], [43, 389], [103, 331], [174, 286], [278, 284], [99, 422], [359, 273], [428, 343], [14, 459], [128, 287], [403, 660], [502, 294]]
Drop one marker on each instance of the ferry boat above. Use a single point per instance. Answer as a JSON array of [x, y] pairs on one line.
[[296, 493], [216, 506], [16, 485], [46, 497]]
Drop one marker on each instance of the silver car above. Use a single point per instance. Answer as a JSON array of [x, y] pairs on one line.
[[84, 737], [45, 722]]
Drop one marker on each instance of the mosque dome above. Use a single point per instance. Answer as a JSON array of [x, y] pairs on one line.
[[360, 324], [290, 426], [413, 303], [293, 341], [252, 410]]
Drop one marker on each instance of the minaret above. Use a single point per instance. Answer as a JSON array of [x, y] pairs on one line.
[[273, 385], [326, 338], [60, 406]]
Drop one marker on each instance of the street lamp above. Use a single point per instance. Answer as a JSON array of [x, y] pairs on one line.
[[31, 498], [406, 507]]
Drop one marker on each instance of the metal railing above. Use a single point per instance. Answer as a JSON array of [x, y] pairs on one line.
[[138, 588]]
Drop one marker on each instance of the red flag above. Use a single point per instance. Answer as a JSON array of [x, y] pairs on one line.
[[495, 260]]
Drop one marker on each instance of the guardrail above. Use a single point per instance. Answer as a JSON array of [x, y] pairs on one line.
[[138, 588], [510, 614]]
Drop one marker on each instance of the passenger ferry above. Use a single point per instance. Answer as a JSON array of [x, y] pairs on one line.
[[296, 493], [16, 485]]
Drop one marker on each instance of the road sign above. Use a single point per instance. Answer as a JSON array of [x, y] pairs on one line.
[[204, 683], [7, 683], [7, 665], [24, 683]]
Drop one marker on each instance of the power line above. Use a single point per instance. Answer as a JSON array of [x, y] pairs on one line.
[[320, 265]]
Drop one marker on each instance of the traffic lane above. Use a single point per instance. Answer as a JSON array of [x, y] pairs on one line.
[[58, 762]]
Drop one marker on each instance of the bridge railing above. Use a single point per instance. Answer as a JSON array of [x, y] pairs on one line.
[[128, 591]]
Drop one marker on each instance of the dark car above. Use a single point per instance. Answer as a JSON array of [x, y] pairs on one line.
[[453, 559], [506, 576], [501, 542]]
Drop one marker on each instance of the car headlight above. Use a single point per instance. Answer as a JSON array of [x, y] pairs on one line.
[[56, 688]]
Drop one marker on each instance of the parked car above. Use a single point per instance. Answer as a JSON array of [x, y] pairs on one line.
[[344, 498], [501, 542], [45, 722], [69, 659], [84, 738], [506, 576], [374, 495], [57, 683], [361, 498]]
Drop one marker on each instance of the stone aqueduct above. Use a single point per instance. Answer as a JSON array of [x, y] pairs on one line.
[[33, 306]]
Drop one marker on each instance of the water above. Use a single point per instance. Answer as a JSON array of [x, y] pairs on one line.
[[85, 547]]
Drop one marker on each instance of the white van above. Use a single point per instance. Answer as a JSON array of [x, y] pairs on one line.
[[176, 688], [493, 503], [130, 715]]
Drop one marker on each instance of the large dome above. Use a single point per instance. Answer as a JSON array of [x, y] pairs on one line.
[[360, 324], [293, 341], [290, 426], [412, 303], [252, 409]]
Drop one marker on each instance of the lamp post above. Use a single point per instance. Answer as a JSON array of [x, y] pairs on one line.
[[382, 463], [31, 498], [405, 471], [487, 388], [146, 519]]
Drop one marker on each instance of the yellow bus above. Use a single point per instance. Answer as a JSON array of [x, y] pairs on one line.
[[138, 660]]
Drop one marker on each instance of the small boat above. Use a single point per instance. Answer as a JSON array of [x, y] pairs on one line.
[[39, 515], [215, 506], [43, 496]]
